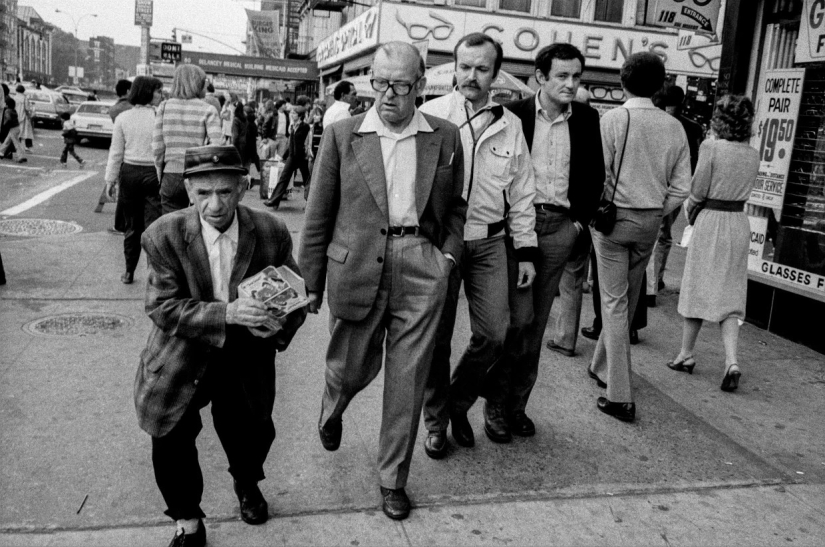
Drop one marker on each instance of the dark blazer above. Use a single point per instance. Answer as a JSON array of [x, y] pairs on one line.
[[345, 228], [586, 158], [190, 331], [297, 142]]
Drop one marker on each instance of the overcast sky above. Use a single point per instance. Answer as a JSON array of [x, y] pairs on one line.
[[223, 20]]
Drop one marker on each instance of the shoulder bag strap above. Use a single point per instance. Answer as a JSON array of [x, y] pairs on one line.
[[621, 158]]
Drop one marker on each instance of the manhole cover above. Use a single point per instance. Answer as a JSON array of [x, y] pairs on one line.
[[77, 324], [33, 227]]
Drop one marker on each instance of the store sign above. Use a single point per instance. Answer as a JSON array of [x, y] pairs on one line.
[[253, 67], [698, 15], [143, 13], [786, 275], [353, 38], [522, 38], [759, 227], [810, 46], [777, 107]]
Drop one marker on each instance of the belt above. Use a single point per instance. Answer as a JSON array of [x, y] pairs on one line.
[[552, 208], [401, 231], [496, 227], [724, 205]]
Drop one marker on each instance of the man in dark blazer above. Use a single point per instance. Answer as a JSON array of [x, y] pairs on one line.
[[565, 145], [295, 158], [383, 229], [204, 345]]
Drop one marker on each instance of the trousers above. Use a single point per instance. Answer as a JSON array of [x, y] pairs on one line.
[[140, 198], [173, 196], [569, 304]]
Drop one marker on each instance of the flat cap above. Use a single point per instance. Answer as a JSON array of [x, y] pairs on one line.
[[205, 159]]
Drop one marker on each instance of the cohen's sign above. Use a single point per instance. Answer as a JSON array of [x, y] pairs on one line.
[[522, 38], [356, 36], [252, 67]]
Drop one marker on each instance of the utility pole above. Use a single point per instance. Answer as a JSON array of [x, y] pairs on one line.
[[76, 23]]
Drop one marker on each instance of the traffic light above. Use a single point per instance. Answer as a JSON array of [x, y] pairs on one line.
[[174, 35]]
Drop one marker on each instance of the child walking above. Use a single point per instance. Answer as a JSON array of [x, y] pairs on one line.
[[69, 139]]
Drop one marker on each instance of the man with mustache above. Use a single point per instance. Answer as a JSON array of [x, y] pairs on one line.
[[499, 187], [565, 145], [383, 229]]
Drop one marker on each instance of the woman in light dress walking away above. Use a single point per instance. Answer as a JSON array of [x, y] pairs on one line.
[[714, 283]]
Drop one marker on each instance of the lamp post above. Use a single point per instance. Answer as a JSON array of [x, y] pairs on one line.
[[76, 23]]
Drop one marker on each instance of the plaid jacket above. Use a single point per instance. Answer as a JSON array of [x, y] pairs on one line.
[[190, 331]]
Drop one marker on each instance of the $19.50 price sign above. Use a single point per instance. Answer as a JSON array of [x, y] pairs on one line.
[[777, 108]]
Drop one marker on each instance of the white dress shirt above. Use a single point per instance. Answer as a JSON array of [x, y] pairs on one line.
[[399, 155], [339, 110], [551, 156], [221, 248]]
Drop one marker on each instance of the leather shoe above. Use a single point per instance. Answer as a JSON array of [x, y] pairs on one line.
[[520, 424], [634, 337], [198, 539], [396, 503], [254, 509], [462, 430], [495, 426], [598, 380], [559, 349], [127, 278], [650, 300], [331, 434], [436, 444], [591, 332], [625, 412]]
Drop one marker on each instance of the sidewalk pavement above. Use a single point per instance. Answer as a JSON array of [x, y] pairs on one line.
[[699, 466]]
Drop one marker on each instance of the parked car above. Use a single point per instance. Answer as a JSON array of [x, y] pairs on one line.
[[75, 98], [48, 105], [92, 120]]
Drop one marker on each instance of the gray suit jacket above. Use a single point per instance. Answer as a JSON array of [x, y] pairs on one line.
[[347, 217]]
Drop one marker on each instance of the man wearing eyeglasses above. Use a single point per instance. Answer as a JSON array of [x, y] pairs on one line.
[[565, 146], [499, 188], [346, 97], [383, 230]]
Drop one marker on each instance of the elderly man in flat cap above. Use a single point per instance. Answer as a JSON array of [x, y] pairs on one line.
[[204, 345]]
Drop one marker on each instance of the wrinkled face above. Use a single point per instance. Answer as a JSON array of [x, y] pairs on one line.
[[216, 195], [562, 81], [474, 70], [396, 110]]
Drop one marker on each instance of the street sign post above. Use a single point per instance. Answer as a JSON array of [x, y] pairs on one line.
[[170, 51]]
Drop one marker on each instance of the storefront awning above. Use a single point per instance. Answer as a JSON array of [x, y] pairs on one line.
[[331, 70]]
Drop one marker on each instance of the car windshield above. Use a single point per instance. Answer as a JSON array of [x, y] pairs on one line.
[[40, 97], [102, 109], [73, 98]]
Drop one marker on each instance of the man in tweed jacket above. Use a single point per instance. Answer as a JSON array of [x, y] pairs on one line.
[[201, 348]]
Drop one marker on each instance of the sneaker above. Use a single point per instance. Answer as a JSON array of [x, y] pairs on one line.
[[22, 160]]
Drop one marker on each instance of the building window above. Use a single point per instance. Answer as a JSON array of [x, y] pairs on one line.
[[471, 3], [609, 11], [646, 12], [566, 8], [515, 5]]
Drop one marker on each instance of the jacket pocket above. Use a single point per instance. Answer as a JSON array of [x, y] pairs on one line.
[[337, 252], [499, 160]]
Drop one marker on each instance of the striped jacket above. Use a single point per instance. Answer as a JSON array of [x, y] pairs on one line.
[[182, 124]]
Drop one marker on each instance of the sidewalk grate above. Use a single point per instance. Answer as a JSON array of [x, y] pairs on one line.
[[34, 227], [77, 324]]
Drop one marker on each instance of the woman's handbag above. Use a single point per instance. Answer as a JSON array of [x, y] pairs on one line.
[[605, 218]]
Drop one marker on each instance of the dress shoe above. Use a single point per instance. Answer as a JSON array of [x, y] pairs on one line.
[[272, 203], [520, 424], [436, 444], [113, 230], [683, 365], [598, 380], [559, 349], [254, 509], [650, 300], [197, 539], [731, 380], [462, 430], [495, 426], [331, 434], [127, 278], [591, 332], [396, 503], [625, 412], [634, 337]]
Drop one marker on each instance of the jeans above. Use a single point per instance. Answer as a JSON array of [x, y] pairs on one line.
[[139, 195], [173, 196]]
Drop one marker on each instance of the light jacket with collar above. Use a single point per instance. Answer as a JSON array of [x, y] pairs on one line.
[[499, 182]]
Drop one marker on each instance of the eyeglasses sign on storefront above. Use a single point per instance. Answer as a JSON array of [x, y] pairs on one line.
[[810, 46]]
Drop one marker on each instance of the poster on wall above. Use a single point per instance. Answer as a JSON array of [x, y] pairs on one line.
[[698, 15], [264, 26], [810, 47], [776, 110]]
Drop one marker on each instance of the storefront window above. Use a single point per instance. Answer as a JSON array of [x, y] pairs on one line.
[[471, 3], [515, 5], [609, 11], [566, 8]]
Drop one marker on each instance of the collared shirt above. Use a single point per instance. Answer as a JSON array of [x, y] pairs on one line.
[[339, 110], [399, 155], [551, 156], [280, 129], [221, 248]]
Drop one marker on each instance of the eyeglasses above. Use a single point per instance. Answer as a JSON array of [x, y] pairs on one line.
[[399, 88], [417, 31], [614, 93]]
